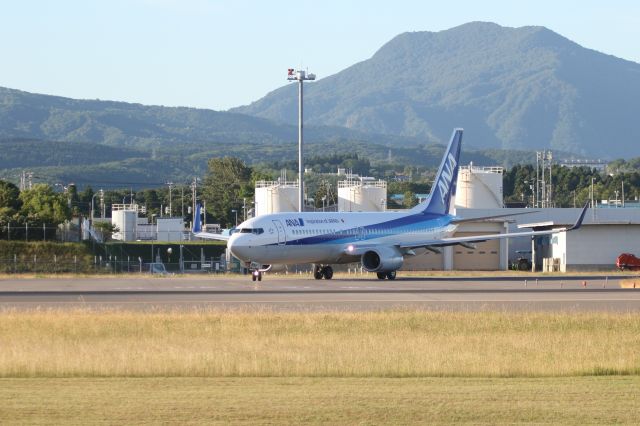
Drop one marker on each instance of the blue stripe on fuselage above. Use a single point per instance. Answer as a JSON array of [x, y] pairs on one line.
[[400, 225]]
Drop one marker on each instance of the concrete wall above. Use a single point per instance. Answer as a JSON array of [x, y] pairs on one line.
[[598, 246]]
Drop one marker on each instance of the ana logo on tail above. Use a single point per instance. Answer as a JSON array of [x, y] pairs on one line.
[[447, 176]]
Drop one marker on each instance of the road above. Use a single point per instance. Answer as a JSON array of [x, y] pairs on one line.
[[305, 294]]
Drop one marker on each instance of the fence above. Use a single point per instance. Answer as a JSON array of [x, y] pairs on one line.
[[43, 232], [112, 265]]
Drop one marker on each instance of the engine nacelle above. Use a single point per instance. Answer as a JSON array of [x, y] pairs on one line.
[[383, 259]]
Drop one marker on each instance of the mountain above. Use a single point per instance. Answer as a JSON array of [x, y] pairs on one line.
[[511, 88], [43, 117]]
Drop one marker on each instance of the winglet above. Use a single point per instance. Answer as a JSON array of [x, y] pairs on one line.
[[197, 225], [578, 223]]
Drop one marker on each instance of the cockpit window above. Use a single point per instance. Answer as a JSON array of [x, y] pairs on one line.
[[255, 231]]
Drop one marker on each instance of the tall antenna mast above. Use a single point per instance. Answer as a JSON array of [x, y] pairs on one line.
[[300, 76]]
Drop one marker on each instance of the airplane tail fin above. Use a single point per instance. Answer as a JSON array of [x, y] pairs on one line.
[[197, 224], [444, 187]]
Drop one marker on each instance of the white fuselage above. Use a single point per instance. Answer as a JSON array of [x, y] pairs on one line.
[[324, 238]]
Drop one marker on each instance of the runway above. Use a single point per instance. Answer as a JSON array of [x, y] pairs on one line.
[[306, 294]]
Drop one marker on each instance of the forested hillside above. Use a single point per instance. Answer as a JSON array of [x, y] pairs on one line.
[[510, 88]]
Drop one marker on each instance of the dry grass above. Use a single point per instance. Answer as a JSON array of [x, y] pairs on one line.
[[630, 283], [576, 400], [371, 344]]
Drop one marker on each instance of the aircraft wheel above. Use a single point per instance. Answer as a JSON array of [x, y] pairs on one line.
[[259, 276], [524, 265], [391, 275], [253, 277], [381, 275], [327, 271], [317, 273]]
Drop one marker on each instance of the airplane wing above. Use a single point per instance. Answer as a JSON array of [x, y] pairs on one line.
[[211, 236], [199, 233], [356, 249], [475, 219], [480, 238]]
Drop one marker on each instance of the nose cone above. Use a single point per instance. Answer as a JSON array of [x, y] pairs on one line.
[[238, 245]]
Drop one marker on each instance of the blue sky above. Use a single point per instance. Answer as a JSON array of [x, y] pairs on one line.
[[219, 54]]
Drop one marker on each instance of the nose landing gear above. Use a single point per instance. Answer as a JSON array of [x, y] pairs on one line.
[[320, 272], [256, 275], [388, 275]]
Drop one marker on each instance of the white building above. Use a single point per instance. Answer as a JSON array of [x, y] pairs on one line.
[[125, 218], [133, 228], [169, 229]]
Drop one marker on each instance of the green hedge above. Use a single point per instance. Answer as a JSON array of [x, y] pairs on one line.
[[48, 257], [45, 256]]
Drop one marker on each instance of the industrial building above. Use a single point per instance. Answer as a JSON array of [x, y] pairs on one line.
[[134, 228]]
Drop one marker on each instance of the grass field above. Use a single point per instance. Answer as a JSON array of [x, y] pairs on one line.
[[582, 400], [377, 367], [365, 344]]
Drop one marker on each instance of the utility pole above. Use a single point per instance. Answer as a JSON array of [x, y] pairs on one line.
[[170, 184], [26, 180], [550, 195], [194, 193], [300, 76], [537, 197], [182, 199], [102, 206]]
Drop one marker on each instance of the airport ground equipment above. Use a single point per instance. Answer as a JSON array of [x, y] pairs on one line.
[[628, 261]]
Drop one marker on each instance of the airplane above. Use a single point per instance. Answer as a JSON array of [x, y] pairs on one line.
[[378, 240]]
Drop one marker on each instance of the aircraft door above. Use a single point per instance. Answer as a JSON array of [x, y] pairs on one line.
[[282, 236]]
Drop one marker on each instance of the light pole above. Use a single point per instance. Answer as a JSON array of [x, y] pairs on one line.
[[236, 212], [170, 185], [300, 76], [92, 198]]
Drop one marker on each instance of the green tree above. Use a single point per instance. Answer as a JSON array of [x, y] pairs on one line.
[[410, 199], [9, 195], [324, 190], [226, 184], [106, 229], [42, 205]]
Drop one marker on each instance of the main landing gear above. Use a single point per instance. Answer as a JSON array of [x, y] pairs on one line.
[[256, 275], [388, 275], [320, 272]]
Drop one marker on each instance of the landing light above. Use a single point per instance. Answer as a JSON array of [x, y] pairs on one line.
[[350, 248]]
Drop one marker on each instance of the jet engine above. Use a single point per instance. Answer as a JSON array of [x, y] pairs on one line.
[[383, 259]]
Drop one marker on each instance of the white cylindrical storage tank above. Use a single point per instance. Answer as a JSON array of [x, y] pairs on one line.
[[275, 197], [284, 199], [126, 221], [362, 196], [479, 187]]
